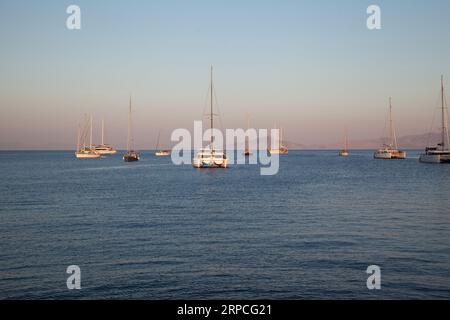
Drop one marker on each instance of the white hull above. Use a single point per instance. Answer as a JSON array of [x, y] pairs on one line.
[[210, 159], [344, 154], [279, 151], [389, 154], [435, 158], [106, 152], [162, 153], [82, 155], [210, 163]]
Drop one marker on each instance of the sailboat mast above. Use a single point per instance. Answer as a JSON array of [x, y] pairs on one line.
[[444, 127], [281, 138], [211, 106], [129, 127], [247, 142], [391, 125], [345, 139], [78, 138], [157, 141], [103, 131], [90, 137]]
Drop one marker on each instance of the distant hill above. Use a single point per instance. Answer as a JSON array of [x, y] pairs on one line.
[[419, 141]]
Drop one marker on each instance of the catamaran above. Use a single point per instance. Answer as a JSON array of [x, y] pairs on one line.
[[344, 152], [84, 152], [210, 157], [131, 155], [390, 151], [103, 148], [160, 152], [281, 148], [441, 152]]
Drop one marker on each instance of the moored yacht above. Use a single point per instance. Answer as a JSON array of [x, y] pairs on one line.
[[161, 152], [104, 149], [83, 151], [344, 152], [390, 150], [282, 149], [131, 155], [209, 157], [441, 152]]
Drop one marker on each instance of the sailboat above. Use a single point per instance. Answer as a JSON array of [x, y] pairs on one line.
[[159, 152], [441, 152], [209, 157], [281, 148], [344, 152], [247, 151], [390, 151], [84, 152], [131, 155], [103, 148]]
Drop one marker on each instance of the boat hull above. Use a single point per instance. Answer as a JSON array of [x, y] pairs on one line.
[[162, 153], [210, 164], [435, 158], [106, 152], [388, 155], [131, 156], [343, 153], [130, 159], [81, 155], [279, 151]]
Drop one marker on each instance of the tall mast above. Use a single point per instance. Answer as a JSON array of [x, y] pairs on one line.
[[345, 139], [247, 142], [391, 124], [78, 138], [211, 105], [157, 141], [444, 126], [103, 131], [281, 138], [129, 127], [90, 137]]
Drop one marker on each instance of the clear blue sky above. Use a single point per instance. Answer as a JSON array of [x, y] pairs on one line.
[[311, 66]]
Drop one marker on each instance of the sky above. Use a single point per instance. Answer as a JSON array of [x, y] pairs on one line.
[[312, 67]]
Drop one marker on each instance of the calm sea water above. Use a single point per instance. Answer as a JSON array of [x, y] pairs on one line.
[[152, 230]]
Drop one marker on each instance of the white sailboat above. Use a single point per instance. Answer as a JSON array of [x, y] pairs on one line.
[[131, 155], [103, 148], [83, 151], [210, 157], [390, 150], [344, 152], [441, 152], [282, 149], [160, 152]]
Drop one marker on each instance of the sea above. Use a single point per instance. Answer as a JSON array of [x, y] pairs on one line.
[[154, 230]]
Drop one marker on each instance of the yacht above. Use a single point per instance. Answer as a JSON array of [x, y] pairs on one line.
[[344, 152], [83, 151], [103, 148], [131, 155], [439, 153], [390, 150], [282, 149], [161, 152], [210, 157]]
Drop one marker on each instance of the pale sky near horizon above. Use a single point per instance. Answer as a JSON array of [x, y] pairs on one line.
[[310, 66]]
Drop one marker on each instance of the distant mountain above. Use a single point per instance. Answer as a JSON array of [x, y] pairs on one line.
[[419, 141]]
